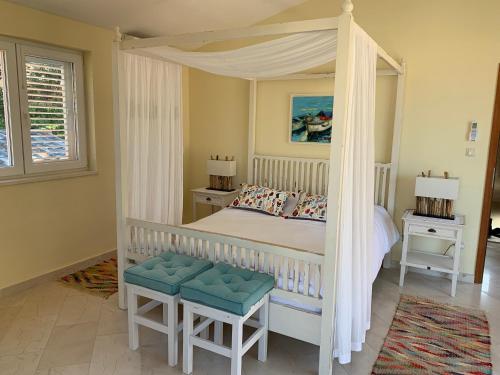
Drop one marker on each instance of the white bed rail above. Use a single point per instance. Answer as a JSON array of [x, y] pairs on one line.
[[302, 269], [382, 173], [291, 174], [310, 175]]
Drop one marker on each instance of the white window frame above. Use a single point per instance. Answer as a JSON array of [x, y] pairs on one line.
[[78, 145], [23, 169], [12, 118]]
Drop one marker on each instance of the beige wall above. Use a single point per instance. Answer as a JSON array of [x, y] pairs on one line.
[[273, 116], [47, 225], [452, 48], [218, 125]]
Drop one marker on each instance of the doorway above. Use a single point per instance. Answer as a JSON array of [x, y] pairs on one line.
[[488, 252]]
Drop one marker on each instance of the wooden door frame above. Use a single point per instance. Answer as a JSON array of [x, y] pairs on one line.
[[488, 187]]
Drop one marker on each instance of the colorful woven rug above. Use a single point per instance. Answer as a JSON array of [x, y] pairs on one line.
[[431, 338], [100, 279]]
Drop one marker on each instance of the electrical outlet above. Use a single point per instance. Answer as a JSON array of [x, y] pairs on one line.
[[470, 152]]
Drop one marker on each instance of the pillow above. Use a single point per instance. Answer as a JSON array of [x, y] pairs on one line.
[[260, 198], [310, 207], [291, 202]]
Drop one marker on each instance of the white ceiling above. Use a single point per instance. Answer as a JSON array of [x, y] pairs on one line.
[[163, 17]]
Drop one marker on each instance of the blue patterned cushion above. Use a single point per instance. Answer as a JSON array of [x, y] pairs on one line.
[[166, 273], [228, 288]]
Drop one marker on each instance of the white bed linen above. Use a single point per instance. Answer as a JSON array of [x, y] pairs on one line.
[[298, 234]]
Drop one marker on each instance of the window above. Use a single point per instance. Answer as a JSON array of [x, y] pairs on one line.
[[42, 110]]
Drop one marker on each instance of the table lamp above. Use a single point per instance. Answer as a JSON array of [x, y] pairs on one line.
[[221, 173], [435, 196]]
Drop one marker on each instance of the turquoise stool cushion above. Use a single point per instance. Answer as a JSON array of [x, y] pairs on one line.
[[166, 273], [227, 288]]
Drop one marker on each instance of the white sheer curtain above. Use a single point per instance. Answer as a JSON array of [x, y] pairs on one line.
[[274, 58], [155, 148], [354, 284], [150, 95]]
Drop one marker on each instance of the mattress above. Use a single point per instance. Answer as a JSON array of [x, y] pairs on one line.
[[304, 235]]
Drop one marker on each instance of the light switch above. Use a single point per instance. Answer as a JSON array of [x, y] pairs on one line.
[[470, 152]]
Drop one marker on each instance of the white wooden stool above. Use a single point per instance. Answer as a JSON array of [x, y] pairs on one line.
[[169, 326], [218, 317], [160, 279]]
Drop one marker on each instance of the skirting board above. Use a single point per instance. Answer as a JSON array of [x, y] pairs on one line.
[[16, 288], [463, 277]]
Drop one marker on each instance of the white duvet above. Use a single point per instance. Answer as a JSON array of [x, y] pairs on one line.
[[298, 234]]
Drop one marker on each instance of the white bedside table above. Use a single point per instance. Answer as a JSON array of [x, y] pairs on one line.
[[212, 197], [442, 229]]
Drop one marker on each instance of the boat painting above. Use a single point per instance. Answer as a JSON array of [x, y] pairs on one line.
[[311, 118]]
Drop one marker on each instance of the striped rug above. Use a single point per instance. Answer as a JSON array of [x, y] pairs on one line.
[[432, 338], [100, 279]]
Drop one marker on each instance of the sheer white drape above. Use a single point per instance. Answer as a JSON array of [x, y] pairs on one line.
[[354, 284], [150, 104], [274, 58], [154, 148]]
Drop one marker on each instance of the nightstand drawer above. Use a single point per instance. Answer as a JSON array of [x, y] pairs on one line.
[[209, 199], [431, 231]]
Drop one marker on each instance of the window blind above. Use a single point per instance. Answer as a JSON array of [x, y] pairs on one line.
[[49, 86]]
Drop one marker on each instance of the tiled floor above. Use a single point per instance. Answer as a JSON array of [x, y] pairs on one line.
[[52, 329]]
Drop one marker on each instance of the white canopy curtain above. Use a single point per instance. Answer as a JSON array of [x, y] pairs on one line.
[[354, 284], [280, 57], [274, 58], [150, 93]]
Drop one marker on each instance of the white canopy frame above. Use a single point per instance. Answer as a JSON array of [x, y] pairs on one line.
[[344, 26]]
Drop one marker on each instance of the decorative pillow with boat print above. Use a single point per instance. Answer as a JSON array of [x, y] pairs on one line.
[[261, 198], [310, 207]]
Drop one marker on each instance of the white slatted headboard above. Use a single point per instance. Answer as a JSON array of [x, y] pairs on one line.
[[311, 175]]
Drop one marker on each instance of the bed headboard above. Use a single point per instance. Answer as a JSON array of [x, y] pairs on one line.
[[310, 175]]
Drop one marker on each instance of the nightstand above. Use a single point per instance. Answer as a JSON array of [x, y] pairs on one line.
[[440, 229], [212, 197]]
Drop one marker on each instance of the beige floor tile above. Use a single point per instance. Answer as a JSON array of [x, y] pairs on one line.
[[21, 364], [80, 308], [82, 369], [42, 305], [112, 320], [7, 316], [69, 345], [112, 356], [362, 362], [14, 300], [27, 335], [154, 361]]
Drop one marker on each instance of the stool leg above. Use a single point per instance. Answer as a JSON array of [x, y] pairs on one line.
[[237, 348], [187, 362], [218, 332], [173, 335], [264, 321], [133, 327]]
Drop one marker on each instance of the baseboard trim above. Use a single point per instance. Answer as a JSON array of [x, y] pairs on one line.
[[52, 275], [463, 277]]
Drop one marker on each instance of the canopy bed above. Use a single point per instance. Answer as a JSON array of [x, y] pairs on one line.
[[309, 278]]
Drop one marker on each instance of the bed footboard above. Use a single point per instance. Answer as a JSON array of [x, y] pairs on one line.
[[297, 273]]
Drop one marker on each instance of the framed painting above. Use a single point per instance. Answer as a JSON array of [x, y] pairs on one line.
[[311, 118]]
